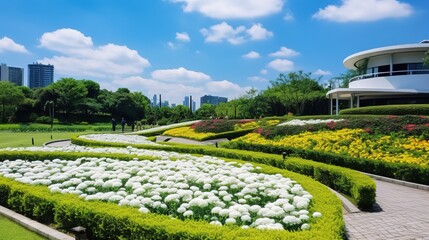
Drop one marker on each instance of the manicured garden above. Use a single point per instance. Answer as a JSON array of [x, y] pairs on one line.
[[141, 193], [126, 185]]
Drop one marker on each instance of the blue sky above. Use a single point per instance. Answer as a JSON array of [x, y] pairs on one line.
[[197, 47]]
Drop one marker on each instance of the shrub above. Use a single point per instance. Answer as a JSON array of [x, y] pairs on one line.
[[406, 109], [214, 126], [401, 171]]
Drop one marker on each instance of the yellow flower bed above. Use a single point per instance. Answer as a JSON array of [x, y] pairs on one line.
[[355, 143], [187, 132], [247, 125]]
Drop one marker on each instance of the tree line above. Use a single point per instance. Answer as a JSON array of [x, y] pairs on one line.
[[71, 100]]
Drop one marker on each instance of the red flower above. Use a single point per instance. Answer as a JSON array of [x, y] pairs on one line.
[[410, 127], [367, 130]]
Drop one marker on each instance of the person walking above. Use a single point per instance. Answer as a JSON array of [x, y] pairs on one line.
[[113, 124], [123, 122]]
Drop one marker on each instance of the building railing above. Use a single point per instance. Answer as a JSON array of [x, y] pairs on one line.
[[391, 73]]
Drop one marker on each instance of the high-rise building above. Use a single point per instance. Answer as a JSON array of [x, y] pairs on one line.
[[186, 101], [214, 100], [194, 106], [154, 100], [165, 104], [12, 74], [40, 75]]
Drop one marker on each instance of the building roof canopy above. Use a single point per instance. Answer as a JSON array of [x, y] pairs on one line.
[[351, 60]]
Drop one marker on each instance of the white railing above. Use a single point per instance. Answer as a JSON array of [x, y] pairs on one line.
[[391, 73]]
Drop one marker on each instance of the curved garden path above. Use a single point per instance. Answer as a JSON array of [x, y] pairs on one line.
[[403, 214]]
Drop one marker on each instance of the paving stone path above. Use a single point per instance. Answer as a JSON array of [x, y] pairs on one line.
[[403, 214]]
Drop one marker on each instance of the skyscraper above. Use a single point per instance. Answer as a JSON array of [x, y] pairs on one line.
[[12, 74], [186, 101], [154, 100], [40, 75], [214, 100]]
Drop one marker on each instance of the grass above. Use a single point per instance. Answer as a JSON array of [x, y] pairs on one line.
[[23, 139], [10, 230]]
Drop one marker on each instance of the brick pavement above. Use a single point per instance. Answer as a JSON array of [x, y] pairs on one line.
[[404, 215]]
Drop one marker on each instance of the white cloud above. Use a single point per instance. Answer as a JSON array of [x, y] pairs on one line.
[[7, 44], [364, 11], [225, 32], [285, 53], [257, 79], [321, 72], [225, 88], [281, 65], [263, 71], [288, 16], [251, 55], [180, 75], [232, 9], [183, 37], [171, 45], [80, 58], [257, 32]]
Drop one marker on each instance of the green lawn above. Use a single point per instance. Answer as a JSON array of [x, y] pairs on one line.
[[23, 139], [12, 231]]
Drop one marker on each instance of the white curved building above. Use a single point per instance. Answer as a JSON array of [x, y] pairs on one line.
[[390, 75]]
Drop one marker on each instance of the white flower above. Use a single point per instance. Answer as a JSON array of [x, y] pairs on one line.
[[188, 213], [144, 210], [305, 226], [317, 214], [291, 220], [181, 210], [230, 221]]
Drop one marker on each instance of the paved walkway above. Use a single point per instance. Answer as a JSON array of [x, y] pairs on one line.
[[403, 214]]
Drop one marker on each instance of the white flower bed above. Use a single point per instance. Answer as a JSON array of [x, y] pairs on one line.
[[118, 138], [298, 122], [201, 188]]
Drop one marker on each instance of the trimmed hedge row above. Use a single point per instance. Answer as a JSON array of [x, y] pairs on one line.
[[406, 109], [105, 220], [354, 184], [229, 135], [401, 171]]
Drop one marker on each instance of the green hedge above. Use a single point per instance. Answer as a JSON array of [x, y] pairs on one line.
[[401, 171], [105, 220], [356, 185], [229, 135], [406, 109]]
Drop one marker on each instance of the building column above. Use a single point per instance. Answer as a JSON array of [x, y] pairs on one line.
[[351, 100], [336, 104], [330, 104], [357, 101]]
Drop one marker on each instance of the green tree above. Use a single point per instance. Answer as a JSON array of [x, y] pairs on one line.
[[205, 111], [70, 93], [296, 89], [342, 81], [10, 97], [180, 113]]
